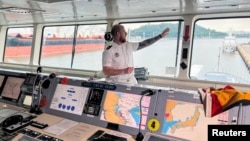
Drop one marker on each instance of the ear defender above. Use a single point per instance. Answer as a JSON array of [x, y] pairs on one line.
[[108, 36]]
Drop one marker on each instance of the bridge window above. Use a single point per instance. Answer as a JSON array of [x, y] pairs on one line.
[[57, 46], [90, 43], [74, 46], [221, 50], [159, 58], [18, 45]]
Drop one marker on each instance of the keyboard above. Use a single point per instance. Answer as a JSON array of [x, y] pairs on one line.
[[109, 137], [4, 136]]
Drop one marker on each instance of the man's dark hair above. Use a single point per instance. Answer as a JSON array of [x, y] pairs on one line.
[[115, 29]]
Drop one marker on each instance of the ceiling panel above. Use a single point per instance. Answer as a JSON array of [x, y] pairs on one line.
[[38, 11]]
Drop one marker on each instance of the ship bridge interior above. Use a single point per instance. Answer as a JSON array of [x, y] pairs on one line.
[[70, 101], [41, 13]]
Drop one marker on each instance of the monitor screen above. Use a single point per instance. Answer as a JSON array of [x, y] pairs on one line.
[[190, 124], [12, 88], [1, 80], [124, 109], [69, 98], [30, 78]]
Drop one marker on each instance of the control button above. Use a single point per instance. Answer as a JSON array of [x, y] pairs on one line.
[[153, 124]]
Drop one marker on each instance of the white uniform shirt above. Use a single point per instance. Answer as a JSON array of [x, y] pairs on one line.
[[120, 57]]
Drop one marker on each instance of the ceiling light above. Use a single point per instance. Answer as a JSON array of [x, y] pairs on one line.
[[19, 10]]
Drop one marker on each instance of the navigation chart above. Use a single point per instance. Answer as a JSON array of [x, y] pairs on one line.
[[124, 108], [187, 120]]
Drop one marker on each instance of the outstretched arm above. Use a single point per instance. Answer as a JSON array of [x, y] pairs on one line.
[[150, 41]]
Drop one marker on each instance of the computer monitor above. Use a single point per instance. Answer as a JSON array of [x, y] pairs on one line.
[[69, 98], [124, 109], [190, 124], [12, 88], [30, 84], [1, 80], [30, 78]]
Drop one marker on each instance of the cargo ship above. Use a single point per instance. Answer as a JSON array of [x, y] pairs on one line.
[[17, 46]]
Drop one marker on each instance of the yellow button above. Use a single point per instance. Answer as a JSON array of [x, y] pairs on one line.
[[153, 124]]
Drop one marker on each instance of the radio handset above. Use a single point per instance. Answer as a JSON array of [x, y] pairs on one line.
[[11, 120]]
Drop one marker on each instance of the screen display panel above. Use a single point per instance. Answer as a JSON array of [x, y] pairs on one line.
[[124, 109], [30, 78], [12, 88], [69, 98]]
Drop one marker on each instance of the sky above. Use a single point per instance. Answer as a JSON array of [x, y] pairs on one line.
[[225, 25], [136, 25]]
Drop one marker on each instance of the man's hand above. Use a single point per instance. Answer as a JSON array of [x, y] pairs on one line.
[[128, 70], [112, 72], [165, 32]]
